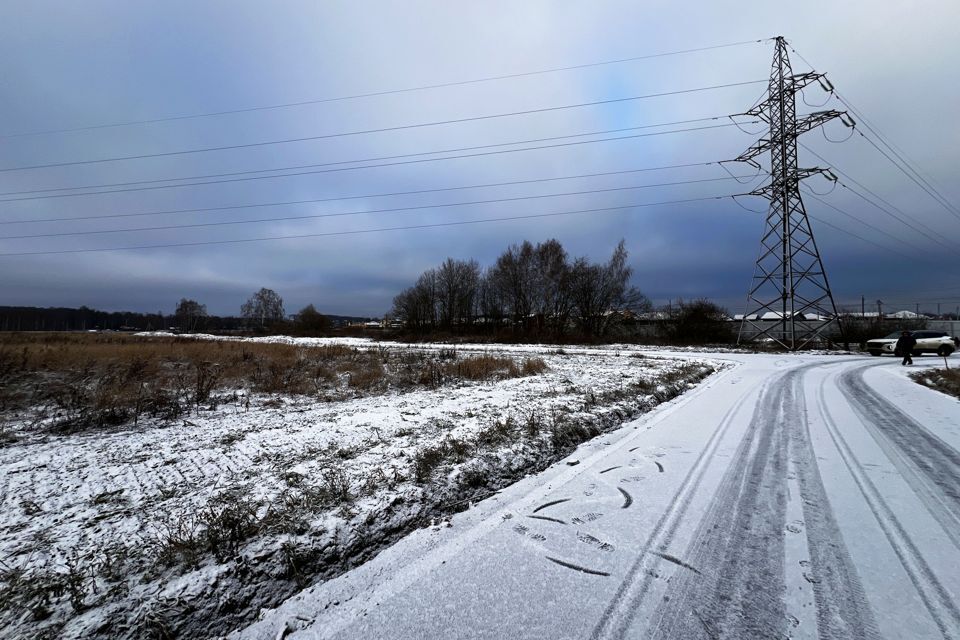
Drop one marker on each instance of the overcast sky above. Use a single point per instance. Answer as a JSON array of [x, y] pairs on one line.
[[76, 65]]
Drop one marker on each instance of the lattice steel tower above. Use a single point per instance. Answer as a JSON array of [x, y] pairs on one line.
[[789, 298]]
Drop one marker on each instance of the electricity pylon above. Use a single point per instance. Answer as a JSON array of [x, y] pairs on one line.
[[789, 299]]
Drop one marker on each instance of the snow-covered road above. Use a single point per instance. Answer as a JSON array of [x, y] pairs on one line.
[[789, 496]]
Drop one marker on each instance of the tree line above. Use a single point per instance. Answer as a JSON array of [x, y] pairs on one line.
[[264, 311], [531, 290]]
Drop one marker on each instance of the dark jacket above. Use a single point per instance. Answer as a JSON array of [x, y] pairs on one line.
[[905, 345]]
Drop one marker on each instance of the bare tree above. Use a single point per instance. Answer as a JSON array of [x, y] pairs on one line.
[[190, 314], [513, 275], [457, 284], [263, 307], [531, 284], [534, 285], [551, 294], [491, 303], [417, 305], [597, 291]]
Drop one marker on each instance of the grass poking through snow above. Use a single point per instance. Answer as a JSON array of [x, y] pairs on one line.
[[944, 380]]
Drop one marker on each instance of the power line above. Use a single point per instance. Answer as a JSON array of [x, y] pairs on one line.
[[831, 225], [926, 189], [868, 225], [917, 177], [362, 196], [354, 213], [412, 227], [932, 238], [362, 231], [849, 233], [393, 157], [898, 152], [381, 93], [903, 220], [435, 123], [338, 169]]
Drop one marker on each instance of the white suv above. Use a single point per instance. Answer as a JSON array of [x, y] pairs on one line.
[[936, 342]]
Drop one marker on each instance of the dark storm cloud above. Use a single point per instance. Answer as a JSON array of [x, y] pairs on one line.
[[69, 64]]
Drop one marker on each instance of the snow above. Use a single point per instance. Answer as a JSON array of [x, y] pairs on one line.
[[112, 500], [789, 496]]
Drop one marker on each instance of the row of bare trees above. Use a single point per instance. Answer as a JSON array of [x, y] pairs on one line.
[[264, 310], [265, 307], [533, 289]]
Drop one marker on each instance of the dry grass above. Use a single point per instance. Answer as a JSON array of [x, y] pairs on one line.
[[487, 367], [75, 381], [944, 380], [533, 366], [483, 367]]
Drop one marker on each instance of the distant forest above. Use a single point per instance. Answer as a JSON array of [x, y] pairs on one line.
[[85, 319]]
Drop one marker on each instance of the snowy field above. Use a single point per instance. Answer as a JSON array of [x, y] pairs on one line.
[[189, 527]]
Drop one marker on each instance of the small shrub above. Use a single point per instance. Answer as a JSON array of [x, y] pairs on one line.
[[177, 539], [532, 424], [458, 449], [497, 433], [473, 476], [227, 521], [568, 434], [426, 460], [533, 366], [431, 375], [208, 374], [366, 376], [347, 453], [336, 487]]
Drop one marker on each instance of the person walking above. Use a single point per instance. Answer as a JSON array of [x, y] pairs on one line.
[[905, 345]]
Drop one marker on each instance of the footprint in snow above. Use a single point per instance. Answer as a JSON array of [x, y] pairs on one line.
[[594, 542], [588, 517]]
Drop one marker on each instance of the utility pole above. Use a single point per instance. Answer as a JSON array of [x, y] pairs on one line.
[[863, 306], [789, 282]]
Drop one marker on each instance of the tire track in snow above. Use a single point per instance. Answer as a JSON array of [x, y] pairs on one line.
[[740, 544], [616, 618], [842, 608], [550, 504], [930, 465], [935, 597]]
